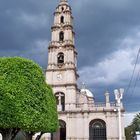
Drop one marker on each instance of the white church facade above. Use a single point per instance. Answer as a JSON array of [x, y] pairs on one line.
[[81, 117]]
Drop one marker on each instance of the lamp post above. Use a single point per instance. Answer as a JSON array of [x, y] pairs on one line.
[[118, 97]]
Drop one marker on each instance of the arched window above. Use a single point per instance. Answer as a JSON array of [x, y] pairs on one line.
[[97, 130], [60, 99], [62, 19], [60, 58], [61, 36]]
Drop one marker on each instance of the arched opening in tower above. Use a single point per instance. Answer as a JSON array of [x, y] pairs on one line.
[[60, 58], [62, 19], [62, 8], [61, 36]]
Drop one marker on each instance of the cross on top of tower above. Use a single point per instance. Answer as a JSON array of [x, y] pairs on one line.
[[63, 1], [83, 85]]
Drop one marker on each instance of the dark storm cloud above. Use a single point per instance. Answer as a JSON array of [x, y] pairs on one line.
[[19, 35], [100, 26]]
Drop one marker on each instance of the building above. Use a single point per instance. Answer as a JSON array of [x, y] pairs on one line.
[[137, 136], [81, 117]]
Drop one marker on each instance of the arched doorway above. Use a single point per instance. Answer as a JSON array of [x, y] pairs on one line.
[[61, 133], [62, 125], [97, 130]]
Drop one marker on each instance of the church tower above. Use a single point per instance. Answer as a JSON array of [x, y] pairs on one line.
[[62, 58]]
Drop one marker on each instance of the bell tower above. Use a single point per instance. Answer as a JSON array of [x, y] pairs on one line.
[[61, 72]]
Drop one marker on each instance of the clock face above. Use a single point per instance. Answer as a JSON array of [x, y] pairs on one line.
[[59, 76]]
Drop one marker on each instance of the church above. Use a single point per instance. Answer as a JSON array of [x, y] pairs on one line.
[[81, 117]]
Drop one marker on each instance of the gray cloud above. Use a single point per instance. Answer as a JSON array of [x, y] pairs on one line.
[[103, 25]]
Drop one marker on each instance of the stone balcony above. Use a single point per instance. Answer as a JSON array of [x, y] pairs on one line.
[[92, 107]]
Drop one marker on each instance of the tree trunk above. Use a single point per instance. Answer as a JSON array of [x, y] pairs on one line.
[[6, 134], [29, 135], [39, 136], [14, 133]]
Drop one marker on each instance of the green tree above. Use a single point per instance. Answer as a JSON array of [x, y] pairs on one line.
[[131, 129], [136, 122], [128, 132], [26, 101]]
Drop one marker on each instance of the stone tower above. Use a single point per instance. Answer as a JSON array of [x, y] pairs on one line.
[[62, 58]]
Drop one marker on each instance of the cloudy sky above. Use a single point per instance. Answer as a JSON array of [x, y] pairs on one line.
[[107, 40]]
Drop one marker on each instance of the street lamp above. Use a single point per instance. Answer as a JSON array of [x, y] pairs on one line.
[[118, 97]]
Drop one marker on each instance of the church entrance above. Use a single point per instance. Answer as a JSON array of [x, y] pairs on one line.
[[61, 133], [97, 130]]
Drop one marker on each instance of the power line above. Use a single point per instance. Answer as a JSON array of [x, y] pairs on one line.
[[133, 90], [128, 87], [137, 79], [131, 79]]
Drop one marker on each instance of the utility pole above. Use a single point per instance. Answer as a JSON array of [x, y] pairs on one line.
[[118, 97]]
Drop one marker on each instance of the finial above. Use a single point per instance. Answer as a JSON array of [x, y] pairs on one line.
[[106, 91], [83, 85], [107, 96], [63, 0]]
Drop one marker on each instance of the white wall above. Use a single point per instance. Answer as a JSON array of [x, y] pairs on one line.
[[0, 137], [138, 137]]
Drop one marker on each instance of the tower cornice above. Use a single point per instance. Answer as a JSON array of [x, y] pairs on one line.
[[61, 69], [65, 44], [64, 12], [64, 85], [62, 27]]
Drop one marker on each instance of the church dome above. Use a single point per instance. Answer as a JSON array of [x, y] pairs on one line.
[[88, 92]]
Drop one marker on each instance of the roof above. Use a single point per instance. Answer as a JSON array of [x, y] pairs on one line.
[[88, 92]]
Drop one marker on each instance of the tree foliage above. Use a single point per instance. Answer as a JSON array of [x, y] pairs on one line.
[[136, 122], [133, 127], [26, 101]]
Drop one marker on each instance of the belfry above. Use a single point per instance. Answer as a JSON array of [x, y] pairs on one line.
[[81, 117], [62, 72]]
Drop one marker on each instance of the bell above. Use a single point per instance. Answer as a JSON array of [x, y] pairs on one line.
[[60, 58]]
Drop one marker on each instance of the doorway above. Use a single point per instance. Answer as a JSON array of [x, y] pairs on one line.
[[61, 133]]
